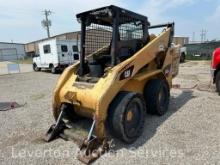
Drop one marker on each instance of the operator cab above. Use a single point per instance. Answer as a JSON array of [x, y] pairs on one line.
[[109, 35]]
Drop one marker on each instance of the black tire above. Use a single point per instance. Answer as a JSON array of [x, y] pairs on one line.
[[127, 116], [35, 68], [157, 96], [217, 82], [53, 69], [182, 58]]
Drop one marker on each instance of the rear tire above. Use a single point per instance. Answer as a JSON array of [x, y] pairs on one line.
[[53, 69], [217, 82], [126, 116], [157, 96]]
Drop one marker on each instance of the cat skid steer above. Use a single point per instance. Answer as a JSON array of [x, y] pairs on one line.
[[123, 73]]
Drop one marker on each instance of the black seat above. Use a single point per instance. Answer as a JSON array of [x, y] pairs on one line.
[[128, 48]]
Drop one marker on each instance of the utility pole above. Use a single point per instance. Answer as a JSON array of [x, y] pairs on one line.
[[46, 23], [203, 35], [193, 37]]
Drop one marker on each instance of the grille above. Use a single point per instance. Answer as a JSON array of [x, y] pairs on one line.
[[99, 36], [130, 28]]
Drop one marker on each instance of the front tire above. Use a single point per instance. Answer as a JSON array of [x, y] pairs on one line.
[[35, 68], [157, 96], [127, 116], [217, 82]]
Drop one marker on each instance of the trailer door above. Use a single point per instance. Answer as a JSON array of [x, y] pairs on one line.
[[64, 55], [70, 53]]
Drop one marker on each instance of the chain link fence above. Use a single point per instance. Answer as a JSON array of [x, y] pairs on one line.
[[201, 51]]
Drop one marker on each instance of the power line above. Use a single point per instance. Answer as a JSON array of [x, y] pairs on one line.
[[46, 23]]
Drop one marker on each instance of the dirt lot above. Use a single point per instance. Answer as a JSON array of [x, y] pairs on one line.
[[188, 134]]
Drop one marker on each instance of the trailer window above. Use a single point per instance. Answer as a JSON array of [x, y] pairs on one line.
[[75, 48], [76, 56], [64, 48], [47, 49]]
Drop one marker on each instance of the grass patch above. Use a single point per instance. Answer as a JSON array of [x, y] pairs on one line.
[[25, 61]]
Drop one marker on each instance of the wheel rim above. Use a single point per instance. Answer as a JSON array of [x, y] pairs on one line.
[[132, 119]]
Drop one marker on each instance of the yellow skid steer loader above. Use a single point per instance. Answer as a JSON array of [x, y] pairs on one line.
[[123, 73]]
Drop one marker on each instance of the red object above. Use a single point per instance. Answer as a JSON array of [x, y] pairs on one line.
[[216, 58]]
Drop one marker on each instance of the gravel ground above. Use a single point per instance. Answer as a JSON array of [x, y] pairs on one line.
[[188, 134]]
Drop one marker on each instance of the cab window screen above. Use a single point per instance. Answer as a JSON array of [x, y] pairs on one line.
[[131, 30]]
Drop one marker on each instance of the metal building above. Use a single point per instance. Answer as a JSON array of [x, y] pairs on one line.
[[11, 51], [179, 40]]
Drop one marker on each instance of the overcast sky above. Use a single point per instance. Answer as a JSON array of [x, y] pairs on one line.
[[20, 20]]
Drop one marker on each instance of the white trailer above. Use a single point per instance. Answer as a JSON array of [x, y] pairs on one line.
[[56, 54]]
